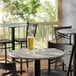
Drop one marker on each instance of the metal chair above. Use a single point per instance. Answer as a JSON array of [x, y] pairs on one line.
[[67, 58], [30, 30], [4, 42], [6, 65], [60, 37]]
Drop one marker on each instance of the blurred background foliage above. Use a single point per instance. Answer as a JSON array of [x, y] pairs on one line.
[[28, 10]]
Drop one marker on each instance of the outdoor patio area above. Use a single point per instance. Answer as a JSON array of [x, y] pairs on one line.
[[37, 38]]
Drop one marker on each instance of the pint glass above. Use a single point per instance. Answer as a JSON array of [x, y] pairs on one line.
[[30, 41]]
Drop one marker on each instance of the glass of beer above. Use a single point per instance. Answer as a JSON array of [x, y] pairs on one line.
[[30, 41]]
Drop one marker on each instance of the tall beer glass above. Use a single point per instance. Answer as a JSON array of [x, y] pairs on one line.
[[30, 42]]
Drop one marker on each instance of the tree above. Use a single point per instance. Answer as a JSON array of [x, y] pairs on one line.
[[50, 10], [29, 10], [22, 8]]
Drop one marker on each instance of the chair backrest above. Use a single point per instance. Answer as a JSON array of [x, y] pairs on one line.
[[68, 50], [59, 36], [31, 29]]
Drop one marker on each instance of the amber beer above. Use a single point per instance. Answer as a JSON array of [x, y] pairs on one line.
[[30, 43]]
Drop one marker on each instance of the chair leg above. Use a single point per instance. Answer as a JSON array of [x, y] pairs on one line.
[[71, 73], [56, 64], [21, 45], [62, 66], [5, 53], [27, 63], [21, 66], [27, 59], [49, 67], [21, 70]]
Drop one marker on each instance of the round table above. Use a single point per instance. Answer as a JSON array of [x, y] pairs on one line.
[[37, 55]]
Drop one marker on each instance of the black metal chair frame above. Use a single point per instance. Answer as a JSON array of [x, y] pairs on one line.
[[7, 65], [5, 42], [22, 40], [61, 47], [59, 35]]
